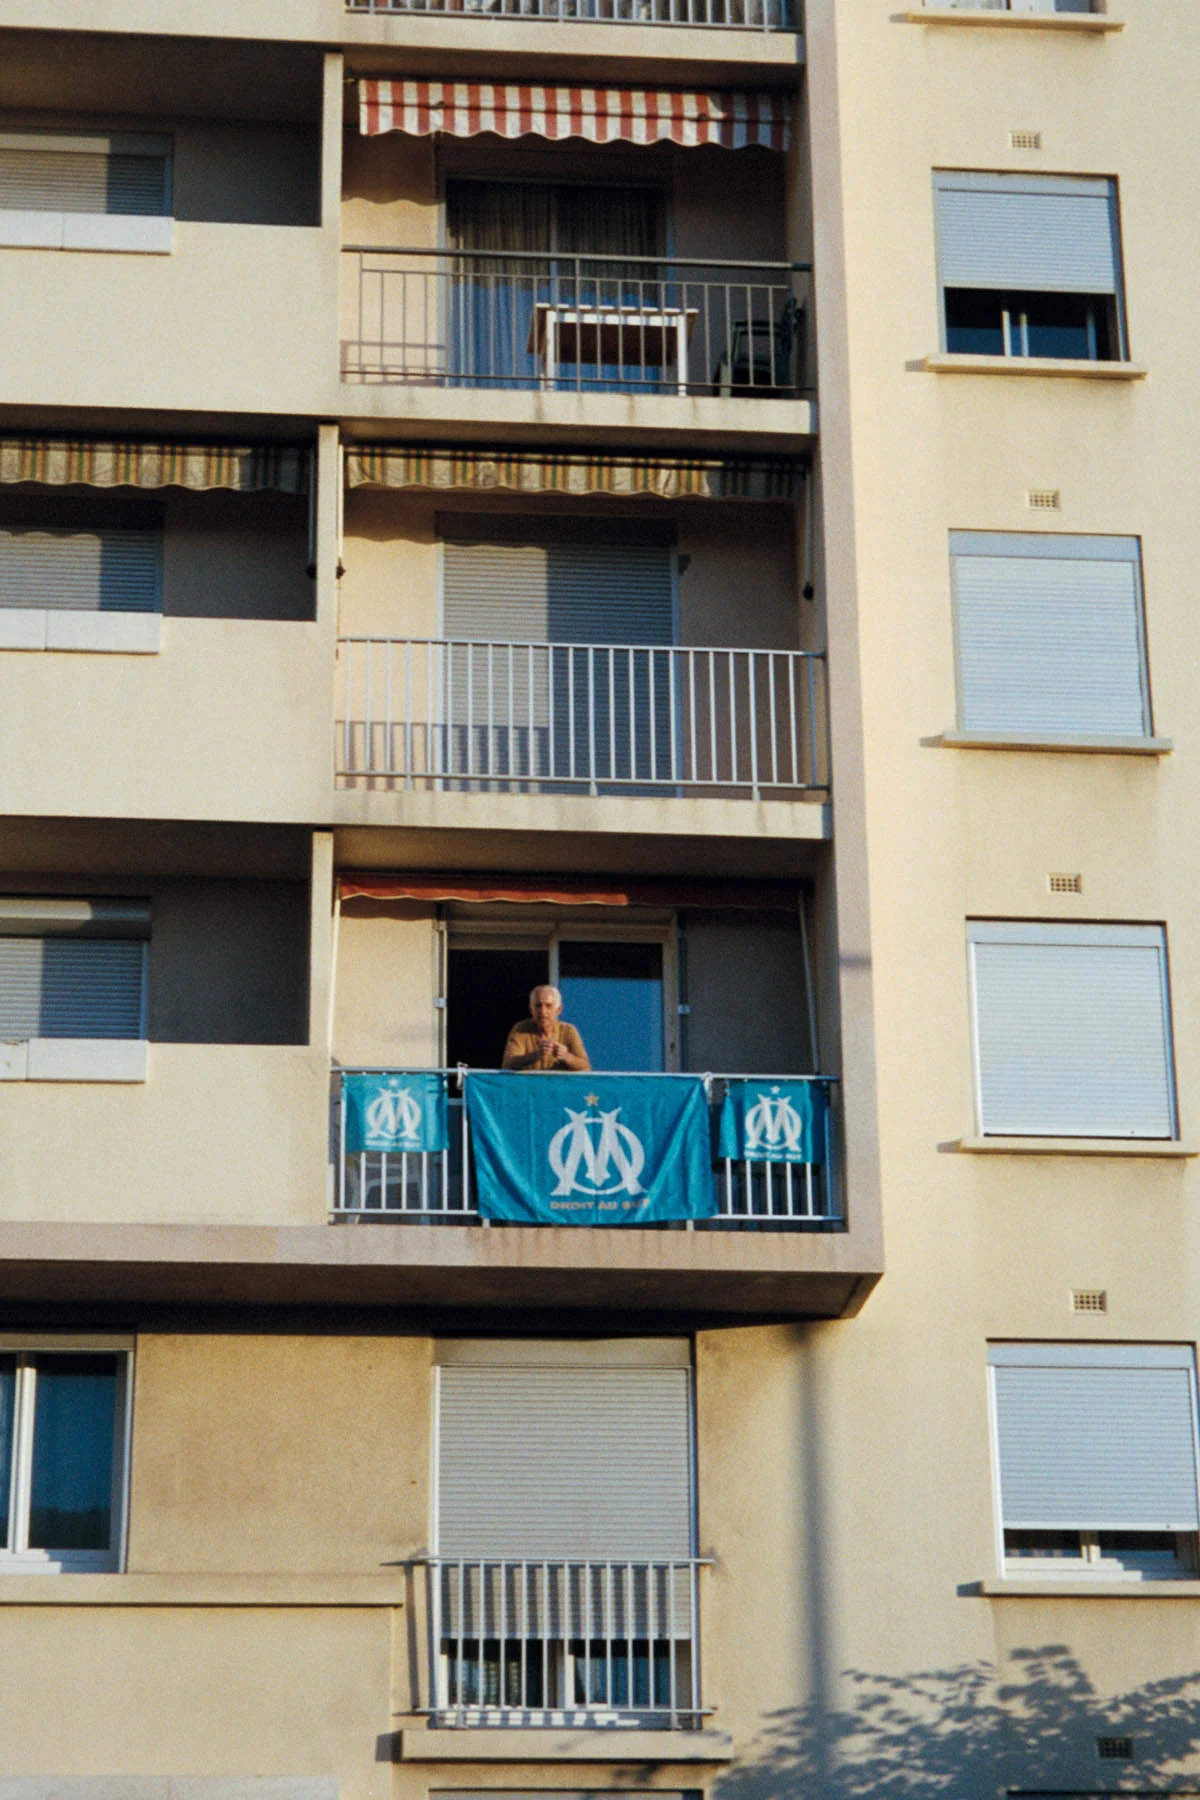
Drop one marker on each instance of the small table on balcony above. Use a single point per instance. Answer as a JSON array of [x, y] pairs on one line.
[[622, 336]]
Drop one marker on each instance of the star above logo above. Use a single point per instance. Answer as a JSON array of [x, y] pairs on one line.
[[592, 1099]]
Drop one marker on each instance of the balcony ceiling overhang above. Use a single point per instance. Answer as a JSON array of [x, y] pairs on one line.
[[161, 77]]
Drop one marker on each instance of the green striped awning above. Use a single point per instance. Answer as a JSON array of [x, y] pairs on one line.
[[575, 473], [86, 462]]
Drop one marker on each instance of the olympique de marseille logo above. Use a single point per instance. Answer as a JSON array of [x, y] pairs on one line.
[[589, 1150], [394, 1114], [773, 1124]]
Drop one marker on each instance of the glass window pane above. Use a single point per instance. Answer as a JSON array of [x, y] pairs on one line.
[[612, 994], [74, 1428], [974, 322], [8, 1394]]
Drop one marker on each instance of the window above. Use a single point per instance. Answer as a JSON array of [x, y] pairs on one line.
[[73, 989], [1072, 1030], [73, 578], [1029, 266], [1096, 1459], [564, 1578], [63, 1429], [85, 191], [1049, 635]]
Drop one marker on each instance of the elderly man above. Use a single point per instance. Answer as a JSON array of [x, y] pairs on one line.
[[544, 1041]]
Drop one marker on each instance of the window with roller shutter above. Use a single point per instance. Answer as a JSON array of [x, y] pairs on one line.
[[73, 988], [65, 190]]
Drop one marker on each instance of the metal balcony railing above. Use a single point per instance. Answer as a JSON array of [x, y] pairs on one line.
[[593, 718], [554, 324], [565, 1641], [438, 1186], [728, 15]]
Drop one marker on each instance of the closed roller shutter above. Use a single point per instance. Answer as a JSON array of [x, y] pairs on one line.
[[105, 568], [1049, 634], [62, 987], [1096, 1437], [1072, 1030], [37, 177], [563, 714], [1020, 232]]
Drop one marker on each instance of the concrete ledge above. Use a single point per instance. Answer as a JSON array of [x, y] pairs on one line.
[[948, 362], [605, 1744], [1170, 1148], [168, 1787], [372, 801], [209, 1591], [1081, 1589], [1077, 22], [1032, 740]]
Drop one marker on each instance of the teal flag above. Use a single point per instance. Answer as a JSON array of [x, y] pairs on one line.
[[591, 1149], [774, 1121], [394, 1111]]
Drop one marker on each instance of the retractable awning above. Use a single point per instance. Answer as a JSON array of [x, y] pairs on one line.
[[88, 462], [574, 473], [727, 117], [570, 890]]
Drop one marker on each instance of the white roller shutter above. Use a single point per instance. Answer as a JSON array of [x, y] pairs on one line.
[[1072, 1030], [1096, 1437], [564, 1462], [65, 987], [584, 714], [45, 172], [1049, 634], [1011, 232], [100, 569]]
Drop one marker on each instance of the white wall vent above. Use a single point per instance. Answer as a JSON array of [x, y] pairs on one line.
[[1089, 1300], [1043, 499], [1065, 884], [1024, 140]]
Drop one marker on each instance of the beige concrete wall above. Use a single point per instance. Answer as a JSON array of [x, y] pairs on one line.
[[385, 984], [229, 962], [746, 990]]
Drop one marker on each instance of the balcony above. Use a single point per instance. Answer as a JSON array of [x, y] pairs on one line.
[[524, 321], [477, 717], [437, 1187], [728, 15], [565, 1643]]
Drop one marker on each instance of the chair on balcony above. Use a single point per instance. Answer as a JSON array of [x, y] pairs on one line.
[[760, 354]]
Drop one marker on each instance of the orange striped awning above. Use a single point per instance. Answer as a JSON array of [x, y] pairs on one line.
[[570, 890], [731, 119], [91, 462]]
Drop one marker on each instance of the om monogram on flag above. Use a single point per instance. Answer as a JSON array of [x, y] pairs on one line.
[[394, 1112], [774, 1121], [590, 1149]]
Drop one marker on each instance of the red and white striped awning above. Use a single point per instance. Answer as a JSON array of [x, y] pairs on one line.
[[602, 115]]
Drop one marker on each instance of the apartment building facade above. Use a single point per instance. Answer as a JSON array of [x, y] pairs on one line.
[[685, 501]]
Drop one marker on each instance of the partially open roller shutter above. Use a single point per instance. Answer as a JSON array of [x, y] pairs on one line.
[[62, 987], [1049, 634], [1049, 233], [35, 177], [106, 568], [570, 1462], [1072, 1030], [1096, 1437]]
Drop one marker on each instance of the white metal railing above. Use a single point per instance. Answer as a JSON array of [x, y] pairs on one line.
[[438, 1185], [570, 323], [470, 714], [730, 15], [564, 1641]]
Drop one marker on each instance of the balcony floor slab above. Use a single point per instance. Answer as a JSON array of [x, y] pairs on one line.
[[750, 422]]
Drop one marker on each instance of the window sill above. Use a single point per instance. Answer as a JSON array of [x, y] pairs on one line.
[[948, 362], [135, 234], [602, 1744], [1033, 740], [61, 628], [1081, 1588], [1085, 22], [74, 1059], [1170, 1148]]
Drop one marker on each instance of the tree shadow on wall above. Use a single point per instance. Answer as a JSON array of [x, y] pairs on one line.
[[961, 1732]]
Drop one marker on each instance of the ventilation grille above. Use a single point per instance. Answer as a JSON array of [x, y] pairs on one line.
[[1043, 499], [1065, 884], [1024, 140], [1114, 1749], [1091, 1300]]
